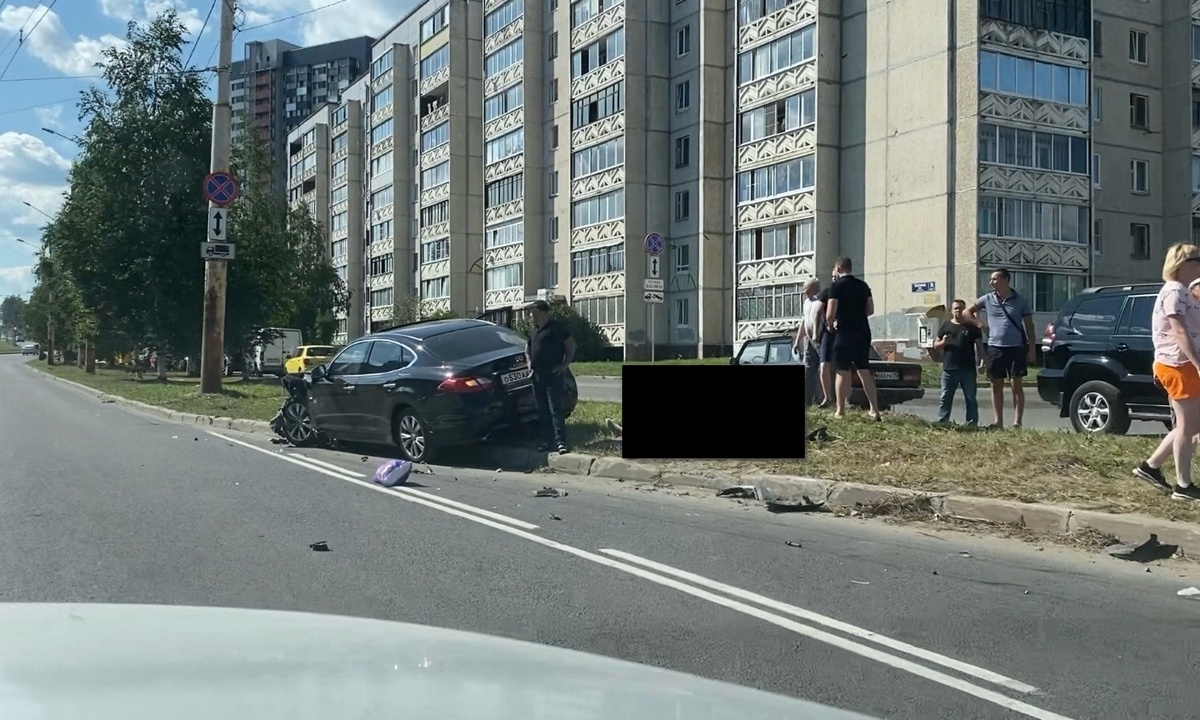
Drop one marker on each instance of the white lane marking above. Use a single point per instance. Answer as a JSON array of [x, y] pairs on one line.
[[406, 494], [329, 465], [837, 641], [831, 623]]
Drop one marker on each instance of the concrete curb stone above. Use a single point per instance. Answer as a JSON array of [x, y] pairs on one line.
[[1050, 519]]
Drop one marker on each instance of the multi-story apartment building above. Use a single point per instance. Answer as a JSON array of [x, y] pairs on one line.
[[277, 85], [326, 172]]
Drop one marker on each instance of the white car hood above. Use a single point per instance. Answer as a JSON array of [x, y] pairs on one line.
[[135, 662]]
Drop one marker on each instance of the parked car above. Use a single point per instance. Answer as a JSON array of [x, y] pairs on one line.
[[898, 382], [1098, 360], [427, 386], [308, 357], [31, 349]]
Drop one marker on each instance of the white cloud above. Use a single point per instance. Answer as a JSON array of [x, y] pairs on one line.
[[50, 43], [50, 117], [30, 172], [353, 18], [16, 280], [146, 10]]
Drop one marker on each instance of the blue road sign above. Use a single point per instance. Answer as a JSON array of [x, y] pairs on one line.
[[220, 188], [655, 244]]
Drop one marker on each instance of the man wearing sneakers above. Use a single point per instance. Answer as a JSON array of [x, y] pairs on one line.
[[1010, 349], [1175, 330], [549, 353]]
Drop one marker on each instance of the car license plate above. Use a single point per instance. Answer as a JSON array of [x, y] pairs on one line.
[[517, 376], [887, 376]]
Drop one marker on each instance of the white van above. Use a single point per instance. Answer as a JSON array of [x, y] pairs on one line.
[[269, 358]]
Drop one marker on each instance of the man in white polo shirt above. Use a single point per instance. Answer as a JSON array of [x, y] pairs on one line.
[[817, 375]]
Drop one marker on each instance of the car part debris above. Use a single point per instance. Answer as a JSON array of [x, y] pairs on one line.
[[742, 492], [320, 546], [393, 473], [554, 517], [792, 543], [550, 492], [1148, 551], [860, 582], [821, 434], [804, 504], [1192, 593]]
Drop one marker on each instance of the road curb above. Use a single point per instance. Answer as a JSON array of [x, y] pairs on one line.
[[1047, 519], [500, 457]]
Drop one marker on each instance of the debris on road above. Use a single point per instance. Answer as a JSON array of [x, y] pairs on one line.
[[964, 554], [550, 492], [1189, 592], [792, 543], [804, 504], [821, 434], [320, 546], [554, 517], [393, 473], [278, 441], [740, 492], [860, 582], [1148, 551]]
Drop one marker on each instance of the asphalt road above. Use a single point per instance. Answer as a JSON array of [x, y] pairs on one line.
[[106, 505]]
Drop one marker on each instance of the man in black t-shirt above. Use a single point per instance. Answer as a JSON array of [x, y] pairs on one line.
[[847, 313], [962, 349], [549, 352]]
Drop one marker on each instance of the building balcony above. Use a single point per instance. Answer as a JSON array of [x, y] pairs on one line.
[[503, 168], [784, 146], [790, 17], [797, 268], [435, 269], [1195, 138], [382, 146], [788, 82], [599, 26], [433, 232], [775, 210], [435, 156], [385, 280], [381, 247], [604, 75], [435, 81], [504, 255], [339, 154], [491, 5], [508, 297], [383, 80], [1033, 112], [605, 232], [1035, 183], [504, 36], [1195, 10], [595, 132], [750, 329], [435, 117], [1196, 75], [1034, 254], [382, 113], [509, 76], [594, 285], [435, 194], [597, 183], [507, 211], [1001, 35], [508, 121]]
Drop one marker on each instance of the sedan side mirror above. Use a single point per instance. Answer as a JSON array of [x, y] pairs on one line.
[[733, 361], [319, 373]]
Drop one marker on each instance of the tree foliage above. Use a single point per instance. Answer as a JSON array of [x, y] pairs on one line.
[[11, 310], [410, 309], [590, 342], [56, 299]]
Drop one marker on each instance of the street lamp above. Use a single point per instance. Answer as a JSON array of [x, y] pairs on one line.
[[31, 206], [50, 131], [44, 251]]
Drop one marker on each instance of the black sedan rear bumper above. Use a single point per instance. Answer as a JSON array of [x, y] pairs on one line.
[[888, 397]]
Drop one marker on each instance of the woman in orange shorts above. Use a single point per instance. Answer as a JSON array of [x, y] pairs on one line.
[[1175, 327]]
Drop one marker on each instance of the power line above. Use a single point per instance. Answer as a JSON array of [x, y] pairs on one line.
[[52, 77], [20, 33], [200, 35], [293, 17], [27, 36], [36, 107]]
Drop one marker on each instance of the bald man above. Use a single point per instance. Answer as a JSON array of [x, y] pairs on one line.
[[818, 376]]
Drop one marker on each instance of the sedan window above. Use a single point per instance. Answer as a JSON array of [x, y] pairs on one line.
[[780, 352], [387, 357], [351, 360], [471, 341], [753, 353]]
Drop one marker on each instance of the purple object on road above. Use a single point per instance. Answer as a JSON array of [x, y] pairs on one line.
[[393, 473]]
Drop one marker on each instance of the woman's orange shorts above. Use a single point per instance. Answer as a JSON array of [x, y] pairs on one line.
[[1181, 382]]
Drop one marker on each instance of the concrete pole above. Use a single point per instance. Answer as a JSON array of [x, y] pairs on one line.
[[216, 270], [50, 312]]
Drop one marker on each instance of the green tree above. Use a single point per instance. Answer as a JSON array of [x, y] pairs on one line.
[[590, 342], [410, 309], [315, 293], [10, 312], [56, 298], [127, 234]]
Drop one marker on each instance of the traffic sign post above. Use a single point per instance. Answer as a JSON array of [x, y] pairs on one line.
[[217, 251], [654, 245], [218, 224], [653, 284], [221, 188]]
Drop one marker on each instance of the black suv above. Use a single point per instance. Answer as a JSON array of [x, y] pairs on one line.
[[1098, 360]]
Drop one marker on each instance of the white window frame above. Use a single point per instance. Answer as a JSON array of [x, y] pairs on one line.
[[1139, 47], [1143, 167]]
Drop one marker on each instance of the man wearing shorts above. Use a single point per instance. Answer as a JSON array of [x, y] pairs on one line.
[[1010, 349], [806, 344], [849, 308]]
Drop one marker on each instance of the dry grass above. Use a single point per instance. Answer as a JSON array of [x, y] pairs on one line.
[[1055, 467], [586, 429]]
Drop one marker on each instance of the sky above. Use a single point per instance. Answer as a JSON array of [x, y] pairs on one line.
[[48, 55]]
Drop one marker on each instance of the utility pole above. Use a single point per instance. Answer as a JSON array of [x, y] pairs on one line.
[[216, 270], [50, 302]]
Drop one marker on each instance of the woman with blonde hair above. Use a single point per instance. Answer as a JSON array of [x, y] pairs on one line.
[[1175, 328]]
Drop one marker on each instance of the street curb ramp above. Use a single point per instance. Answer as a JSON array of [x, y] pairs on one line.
[[502, 457], [1038, 518]]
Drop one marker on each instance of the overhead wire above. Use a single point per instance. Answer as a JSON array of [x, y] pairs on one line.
[[200, 35], [24, 37], [293, 17]]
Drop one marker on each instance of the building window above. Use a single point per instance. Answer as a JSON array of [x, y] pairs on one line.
[[778, 55], [504, 58], [597, 106], [504, 191], [554, 137], [1097, 104], [598, 209], [435, 214], [505, 146], [503, 277], [683, 151], [683, 41], [502, 17], [1195, 112], [683, 201], [1137, 47], [683, 258], [552, 181], [1096, 169], [771, 302], [602, 311], [796, 238], [435, 250], [553, 90], [778, 116], [682, 313], [1046, 292], [435, 137], [1139, 239], [785, 178], [598, 261], [382, 163], [383, 63], [1035, 150], [382, 131], [598, 158], [1097, 38], [1195, 231], [584, 10], [1139, 111], [751, 10], [381, 265], [1196, 173], [504, 102], [1097, 235], [1195, 43], [435, 61], [554, 229], [552, 46], [1069, 17], [383, 197], [1139, 176], [683, 96], [381, 297], [434, 24], [435, 288], [1033, 79], [510, 233], [598, 54], [1033, 220]]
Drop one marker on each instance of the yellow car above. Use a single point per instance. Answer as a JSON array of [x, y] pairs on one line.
[[308, 357]]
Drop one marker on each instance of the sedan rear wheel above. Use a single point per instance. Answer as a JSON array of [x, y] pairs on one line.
[[411, 435]]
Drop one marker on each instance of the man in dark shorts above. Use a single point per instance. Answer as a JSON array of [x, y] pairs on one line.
[[549, 352], [961, 344], [1010, 348], [847, 313]]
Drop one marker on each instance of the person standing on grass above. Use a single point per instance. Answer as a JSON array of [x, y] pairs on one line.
[[807, 343], [1175, 329], [549, 353], [961, 344], [850, 306], [1010, 350]]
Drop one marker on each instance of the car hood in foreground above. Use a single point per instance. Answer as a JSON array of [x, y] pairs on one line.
[[135, 662]]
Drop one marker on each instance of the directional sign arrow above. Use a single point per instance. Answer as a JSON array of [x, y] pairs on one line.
[[218, 224], [654, 269]]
